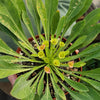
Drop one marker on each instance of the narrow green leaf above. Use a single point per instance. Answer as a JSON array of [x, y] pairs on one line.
[[41, 85], [7, 22], [4, 29], [78, 42], [5, 49], [28, 47], [47, 95], [93, 93], [59, 73], [7, 8], [31, 5], [76, 95], [76, 85], [60, 26], [79, 64], [9, 18], [28, 24], [95, 73], [93, 83], [77, 9], [54, 24], [7, 69], [58, 91], [91, 56], [37, 97], [54, 76], [91, 29], [12, 59], [43, 15], [51, 7], [75, 32], [20, 5], [92, 33]]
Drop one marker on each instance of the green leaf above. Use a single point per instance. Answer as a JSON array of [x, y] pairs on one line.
[[91, 56], [77, 8], [93, 93], [58, 91], [28, 24], [43, 15], [79, 64], [75, 32], [7, 69], [92, 33], [76, 95], [30, 97], [78, 42], [12, 59], [60, 26], [37, 97], [55, 21], [59, 73], [4, 29], [92, 18], [7, 8], [40, 85], [20, 5], [76, 85], [9, 18], [7, 22], [47, 95], [82, 96], [51, 7], [95, 73], [91, 29], [93, 83], [31, 5], [22, 87], [92, 48], [5, 49], [54, 76], [28, 47]]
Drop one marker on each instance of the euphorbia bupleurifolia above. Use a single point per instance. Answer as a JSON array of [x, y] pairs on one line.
[[52, 54]]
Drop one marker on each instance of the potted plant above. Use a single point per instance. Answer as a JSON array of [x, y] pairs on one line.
[[45, 64]]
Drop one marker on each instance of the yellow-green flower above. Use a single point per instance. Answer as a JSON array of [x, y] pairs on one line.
[[61, 44], [46, 59], [56, 62], [62, 54], [46, 43], [41, 54], [54, 41]]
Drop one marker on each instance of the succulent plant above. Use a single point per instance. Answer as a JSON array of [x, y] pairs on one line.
[[52, 57]]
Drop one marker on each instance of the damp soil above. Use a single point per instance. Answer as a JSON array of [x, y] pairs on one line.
[[68, 97]]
